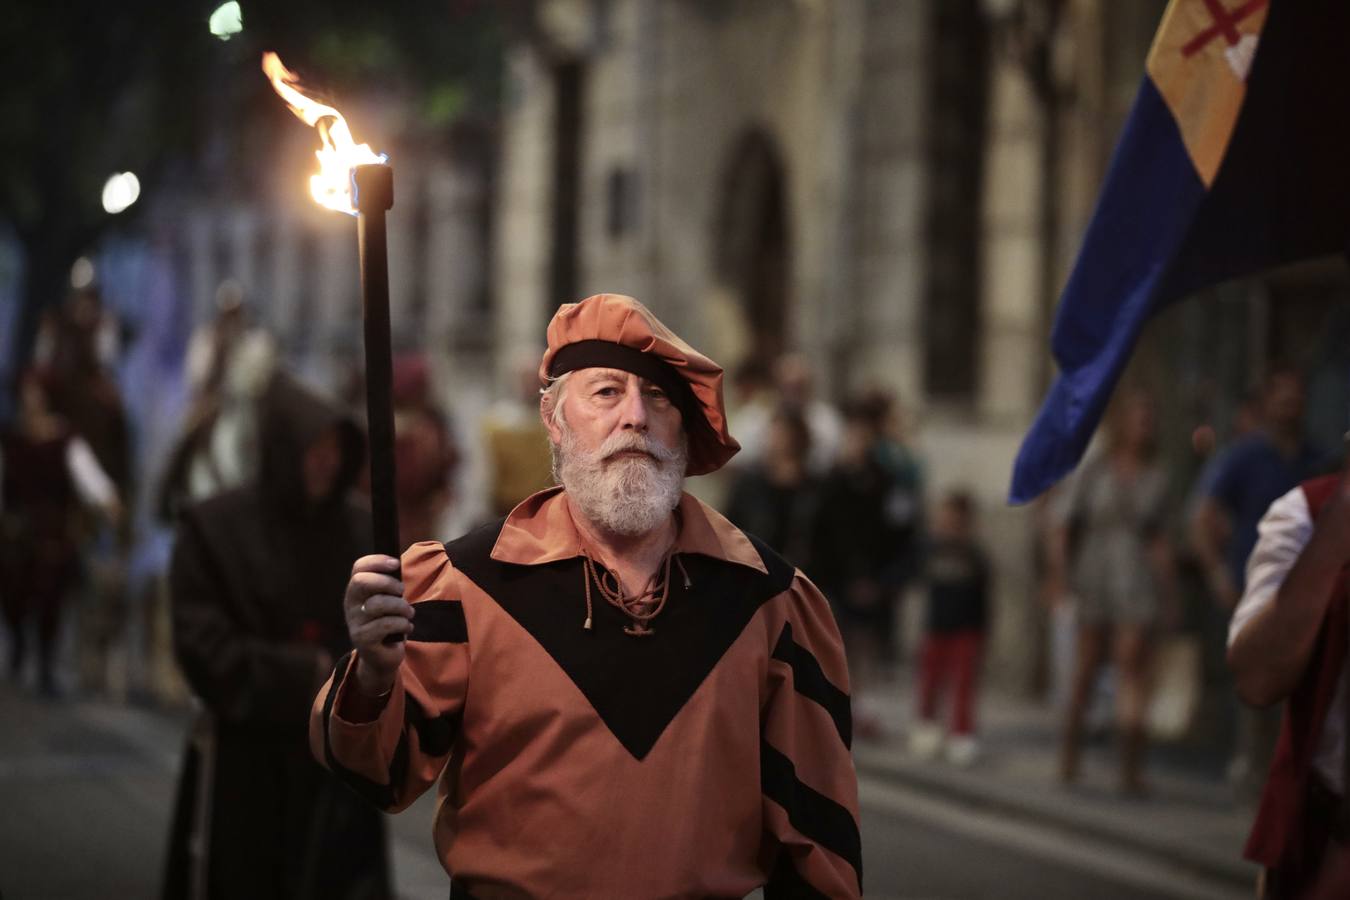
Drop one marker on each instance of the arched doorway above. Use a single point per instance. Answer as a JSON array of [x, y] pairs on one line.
[[751, 250]]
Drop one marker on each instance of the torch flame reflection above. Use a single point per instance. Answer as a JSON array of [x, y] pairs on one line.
[[331, 186]]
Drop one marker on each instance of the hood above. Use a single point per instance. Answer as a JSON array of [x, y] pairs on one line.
[[291, 418]]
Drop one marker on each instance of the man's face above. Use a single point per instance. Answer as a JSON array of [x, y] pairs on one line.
[[1284, 401], [321, 464], [951, 522], [620, 449]]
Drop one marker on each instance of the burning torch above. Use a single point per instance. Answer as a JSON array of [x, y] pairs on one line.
[[356, 180]]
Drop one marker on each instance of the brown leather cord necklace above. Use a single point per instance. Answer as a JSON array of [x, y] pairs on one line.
[[641, 608]]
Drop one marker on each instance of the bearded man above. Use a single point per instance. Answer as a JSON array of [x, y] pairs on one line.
[[622, 694]]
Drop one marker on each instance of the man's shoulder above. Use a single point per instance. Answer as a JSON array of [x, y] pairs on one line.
[[1231, 464], [780, 573], [717, 531], [1245, 450], [474, 548], [431, 569]]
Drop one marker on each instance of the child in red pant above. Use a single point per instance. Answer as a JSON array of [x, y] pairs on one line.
[[957, 619]]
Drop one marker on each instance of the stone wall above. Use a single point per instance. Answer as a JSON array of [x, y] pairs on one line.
[[843, 92]]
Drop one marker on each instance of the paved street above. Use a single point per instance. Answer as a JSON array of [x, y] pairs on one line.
[[916, 846], [88, 787]]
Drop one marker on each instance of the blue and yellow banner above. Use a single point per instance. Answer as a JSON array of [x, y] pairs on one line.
[[1235, 158]]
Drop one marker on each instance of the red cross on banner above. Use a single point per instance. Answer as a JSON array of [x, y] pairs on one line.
[[1224, 24], [1199, 63]]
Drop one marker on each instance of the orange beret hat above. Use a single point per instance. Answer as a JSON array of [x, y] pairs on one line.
[[618, 332]]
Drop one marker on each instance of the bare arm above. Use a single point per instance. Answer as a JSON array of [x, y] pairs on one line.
[[1270, 652]]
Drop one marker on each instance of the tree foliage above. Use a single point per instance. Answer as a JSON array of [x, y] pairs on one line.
[[93, 88]]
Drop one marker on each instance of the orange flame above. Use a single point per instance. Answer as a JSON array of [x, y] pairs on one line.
[[332, 185]]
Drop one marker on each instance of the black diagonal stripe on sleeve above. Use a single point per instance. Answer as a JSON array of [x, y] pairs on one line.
[[434, 735], [786, 883], [815, 816], [811, 682], [439, 622], [380, 795]]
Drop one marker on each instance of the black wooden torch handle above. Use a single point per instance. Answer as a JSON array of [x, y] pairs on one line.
[[374, 192]]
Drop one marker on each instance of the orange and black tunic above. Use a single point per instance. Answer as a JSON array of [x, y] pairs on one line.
[[704, 760]]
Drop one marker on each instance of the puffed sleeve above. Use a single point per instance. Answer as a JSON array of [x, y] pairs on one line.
[[396, 757], [1284, 530], [806, 771]]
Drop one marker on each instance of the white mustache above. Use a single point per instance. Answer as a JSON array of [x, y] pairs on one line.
[[627, 441]]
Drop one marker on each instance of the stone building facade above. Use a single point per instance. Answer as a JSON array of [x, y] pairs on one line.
[[893, 188]]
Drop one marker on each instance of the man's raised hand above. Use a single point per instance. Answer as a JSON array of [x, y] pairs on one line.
[[375, 608]]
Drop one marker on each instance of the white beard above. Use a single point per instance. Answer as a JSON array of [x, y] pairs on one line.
[[629, 496]]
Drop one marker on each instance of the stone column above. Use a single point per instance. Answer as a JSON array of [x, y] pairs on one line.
[[521, 258]]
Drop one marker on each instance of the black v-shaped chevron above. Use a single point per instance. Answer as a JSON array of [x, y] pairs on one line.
[[636, 685]]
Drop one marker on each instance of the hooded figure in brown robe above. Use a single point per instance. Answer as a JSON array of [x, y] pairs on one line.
[[255, 630]]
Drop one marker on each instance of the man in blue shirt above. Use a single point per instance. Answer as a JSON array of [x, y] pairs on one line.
[[1235, 491], [1238, 487]]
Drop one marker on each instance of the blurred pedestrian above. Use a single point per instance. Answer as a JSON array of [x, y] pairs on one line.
[[213, 343], [1109, 550], [1238, 487], [425, 455], [854, 548], [1287, 642], [253, 576], [592, 739], [752, 400], [902, 512], [1235, 490], [792, 387], [81, 385], [229, 364], [48, 472], [775, 499], [795, 383], [82, 346], [955, 625], [516, 444]]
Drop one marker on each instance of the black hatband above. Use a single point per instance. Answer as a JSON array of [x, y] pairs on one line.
[[597, 354]]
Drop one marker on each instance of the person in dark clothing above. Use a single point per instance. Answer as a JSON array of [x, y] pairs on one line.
[[47, 472], [954, 631], [775, 498], [854, 549], [81, 342], [902, 511], [252, 580], [425, 455], [1234, 491]]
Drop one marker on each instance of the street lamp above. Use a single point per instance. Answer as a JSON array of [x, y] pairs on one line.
[[226, 21], [120, 191]]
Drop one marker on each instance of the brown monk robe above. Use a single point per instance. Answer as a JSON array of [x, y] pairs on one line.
[[595, 736], [253, 573]]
